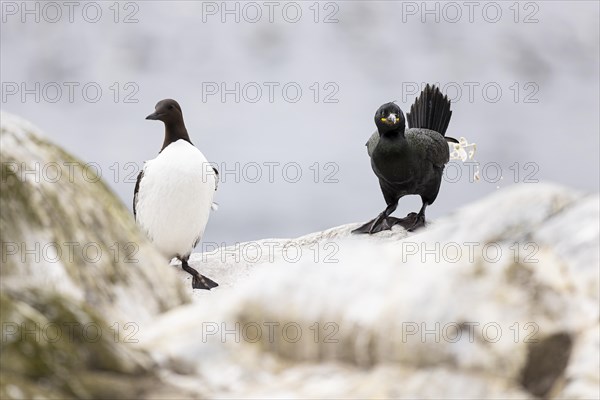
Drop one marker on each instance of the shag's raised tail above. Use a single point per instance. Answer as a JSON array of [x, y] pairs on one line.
[[431, 110]]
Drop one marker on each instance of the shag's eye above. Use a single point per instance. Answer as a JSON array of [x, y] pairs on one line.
[[171, 107]]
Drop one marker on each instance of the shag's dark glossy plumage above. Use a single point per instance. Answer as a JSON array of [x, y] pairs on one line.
[[409, 161]]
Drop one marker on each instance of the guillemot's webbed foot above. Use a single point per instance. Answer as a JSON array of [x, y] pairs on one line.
[[199, 281]]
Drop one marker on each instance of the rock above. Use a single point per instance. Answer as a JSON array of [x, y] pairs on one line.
[[492, 301], [64, 230], [58, 347], [68, 317], [498, 300]]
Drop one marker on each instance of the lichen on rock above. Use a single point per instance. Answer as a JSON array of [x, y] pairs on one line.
[[63, 311], [62, 228]]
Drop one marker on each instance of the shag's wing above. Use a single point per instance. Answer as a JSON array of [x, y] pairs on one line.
[[431, 145], [372, 143]]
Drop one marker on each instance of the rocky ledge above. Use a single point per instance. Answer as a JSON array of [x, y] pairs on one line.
[[498, 300]]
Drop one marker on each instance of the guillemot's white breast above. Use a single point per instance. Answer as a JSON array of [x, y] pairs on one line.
[[174, 198]]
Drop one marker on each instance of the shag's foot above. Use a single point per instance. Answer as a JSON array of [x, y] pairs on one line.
[[366, 228], [384, 224], [201, 282], [411, 222], [375, 225], [418, 222], [405, 222]]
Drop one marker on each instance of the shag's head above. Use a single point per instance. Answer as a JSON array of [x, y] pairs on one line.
[[167, 111], [389, 118]]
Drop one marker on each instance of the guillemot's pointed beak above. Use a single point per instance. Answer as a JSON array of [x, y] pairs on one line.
[[154, 115]]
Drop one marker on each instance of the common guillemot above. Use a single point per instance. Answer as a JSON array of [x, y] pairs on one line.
[[409, 161], [174, 193]]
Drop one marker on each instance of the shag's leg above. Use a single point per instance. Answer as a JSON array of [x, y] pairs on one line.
[[378, 224], [199, 281], [419, 220]]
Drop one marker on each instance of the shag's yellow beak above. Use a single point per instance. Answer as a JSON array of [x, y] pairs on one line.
[[392, 118]]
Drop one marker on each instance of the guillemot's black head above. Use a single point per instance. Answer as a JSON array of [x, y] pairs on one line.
[[389, 118], [167, 111]]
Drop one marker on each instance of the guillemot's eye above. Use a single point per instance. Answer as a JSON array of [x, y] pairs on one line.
[[171, 107]]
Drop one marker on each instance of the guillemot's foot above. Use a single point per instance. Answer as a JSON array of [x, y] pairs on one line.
[[201, 282]]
